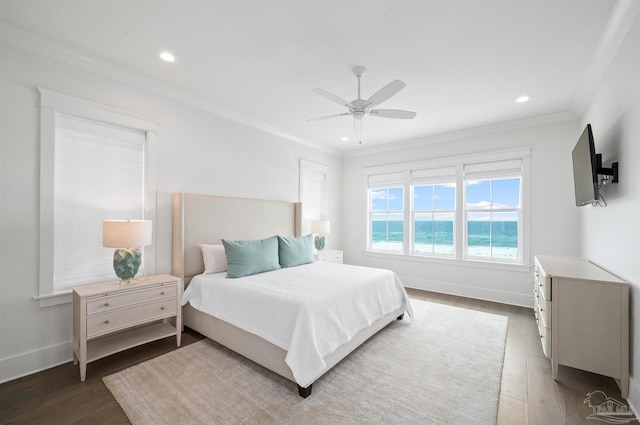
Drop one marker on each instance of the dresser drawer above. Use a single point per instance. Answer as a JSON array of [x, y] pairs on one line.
[[545, 338], [122, 299], [542, 281], [112, 320], [543, 309]]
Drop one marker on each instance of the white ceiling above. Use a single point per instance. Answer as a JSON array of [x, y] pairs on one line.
[[464, 62]]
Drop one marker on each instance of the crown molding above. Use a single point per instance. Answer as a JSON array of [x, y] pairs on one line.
[[51, 49], [623, 16], [536, 121]]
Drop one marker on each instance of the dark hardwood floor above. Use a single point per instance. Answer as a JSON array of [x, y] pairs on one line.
[[528, 394]]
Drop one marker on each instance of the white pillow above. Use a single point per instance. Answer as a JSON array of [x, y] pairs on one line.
[[214, 257]]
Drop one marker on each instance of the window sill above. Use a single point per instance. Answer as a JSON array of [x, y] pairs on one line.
[[474, 263], [58, 298]]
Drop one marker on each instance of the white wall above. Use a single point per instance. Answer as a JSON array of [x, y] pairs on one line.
[[553, 215], [197, 152], [610, 237]]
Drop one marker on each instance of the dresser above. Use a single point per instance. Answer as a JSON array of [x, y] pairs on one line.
[[582, 314], [109, 317], [329, 255]]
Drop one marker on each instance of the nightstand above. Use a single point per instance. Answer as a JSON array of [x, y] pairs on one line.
[[109, 317], [329, 255]]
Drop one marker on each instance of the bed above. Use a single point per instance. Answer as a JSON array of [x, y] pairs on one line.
[[204, 219]]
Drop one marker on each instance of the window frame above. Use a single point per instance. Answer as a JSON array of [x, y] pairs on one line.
[[491, 211], [310, 172], [457, 163], [51, 103], [371, 213], [433, 212]]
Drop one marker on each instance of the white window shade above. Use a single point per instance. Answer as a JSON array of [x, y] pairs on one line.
[[99, 175], [433, 176], [314, 193], [494, 169], [385, 180]]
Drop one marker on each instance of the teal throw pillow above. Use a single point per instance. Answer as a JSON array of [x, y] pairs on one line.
[[245, 258], [295, 251]]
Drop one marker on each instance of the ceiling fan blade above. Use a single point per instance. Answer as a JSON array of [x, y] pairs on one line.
[[392, 113], [385, 93], [327, 117], [332, 97]]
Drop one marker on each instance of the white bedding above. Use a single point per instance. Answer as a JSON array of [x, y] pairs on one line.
[[308, 311]]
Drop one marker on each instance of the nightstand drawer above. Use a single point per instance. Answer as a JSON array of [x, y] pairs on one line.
[[105, 303], [329, 256], [126, 317]]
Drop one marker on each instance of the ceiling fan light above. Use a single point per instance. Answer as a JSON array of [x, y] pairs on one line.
[[358, 115], [524, 98]]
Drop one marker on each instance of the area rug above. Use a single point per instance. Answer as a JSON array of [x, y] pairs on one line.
[[442, 367]]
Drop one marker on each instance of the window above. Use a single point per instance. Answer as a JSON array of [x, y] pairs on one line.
[[387, 219], [433, 212], [95, 165], [434, 219], [467, 208], [99, 175], [492, 210], [314, 193]]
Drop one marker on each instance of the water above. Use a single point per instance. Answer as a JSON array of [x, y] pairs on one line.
[[505, 233]]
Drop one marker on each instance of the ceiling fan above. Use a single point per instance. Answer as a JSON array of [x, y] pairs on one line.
[[359, 107]]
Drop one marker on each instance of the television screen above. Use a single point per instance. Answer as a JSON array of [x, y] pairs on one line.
[[585, 169]]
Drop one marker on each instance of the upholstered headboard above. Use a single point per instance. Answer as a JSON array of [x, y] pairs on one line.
[[208, 219]]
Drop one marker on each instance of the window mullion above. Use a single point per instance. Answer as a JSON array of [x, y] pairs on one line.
[[407, 236], [460, 230]]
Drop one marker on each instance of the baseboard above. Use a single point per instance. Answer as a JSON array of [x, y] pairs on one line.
[[485, 294], [35, 361]]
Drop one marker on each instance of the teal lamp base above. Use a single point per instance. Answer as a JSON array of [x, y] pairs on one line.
[[126, 262], [319, 242]]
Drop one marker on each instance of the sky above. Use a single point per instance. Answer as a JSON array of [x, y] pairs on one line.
[[480, 195]]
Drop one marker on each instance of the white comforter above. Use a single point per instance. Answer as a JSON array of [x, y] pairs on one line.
[[308, 311]]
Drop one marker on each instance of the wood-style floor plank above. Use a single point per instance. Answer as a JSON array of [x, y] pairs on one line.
[[528, 394]]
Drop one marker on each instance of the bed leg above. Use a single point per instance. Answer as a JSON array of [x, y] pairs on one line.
[[304, 392], [401, 316]]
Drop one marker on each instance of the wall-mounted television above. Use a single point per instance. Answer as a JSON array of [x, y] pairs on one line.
[[585, 169], [587, 166]]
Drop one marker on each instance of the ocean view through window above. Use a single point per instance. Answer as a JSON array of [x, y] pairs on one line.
[[492, 209], [387, 215], [433, 219], [463, 211]]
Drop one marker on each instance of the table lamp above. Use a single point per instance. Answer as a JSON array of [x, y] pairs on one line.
[[127, 236], [320, 228]]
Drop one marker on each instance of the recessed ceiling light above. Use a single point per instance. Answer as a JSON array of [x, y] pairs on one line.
[[167, 56], [524, 98], [345, 139]]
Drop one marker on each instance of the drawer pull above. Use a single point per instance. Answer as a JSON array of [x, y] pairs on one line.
[[161, 308], [162, 293], [106, 322], [541, 309], [106, 304]]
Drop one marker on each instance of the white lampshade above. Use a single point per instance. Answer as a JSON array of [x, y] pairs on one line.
[[126, 233], [321, 227]]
